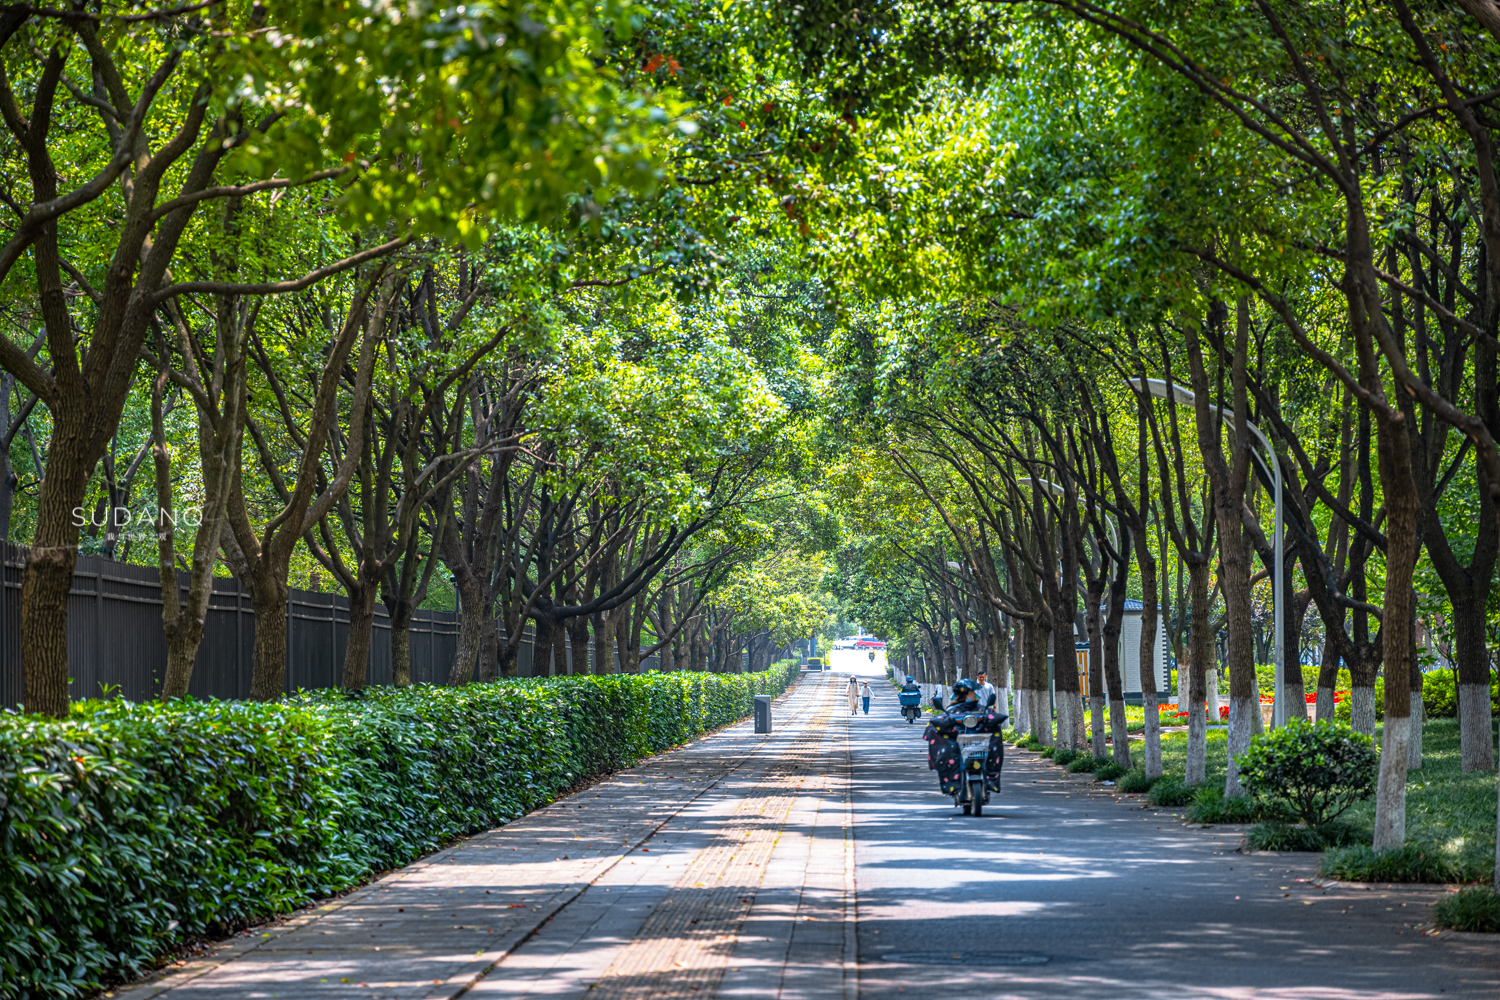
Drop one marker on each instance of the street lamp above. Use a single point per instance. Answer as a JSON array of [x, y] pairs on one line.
[[1159, 388]]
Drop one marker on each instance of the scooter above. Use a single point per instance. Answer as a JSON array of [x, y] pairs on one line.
[[968, 755], [911, 705]]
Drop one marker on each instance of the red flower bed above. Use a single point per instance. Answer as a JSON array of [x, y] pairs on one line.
[[1171, 715]]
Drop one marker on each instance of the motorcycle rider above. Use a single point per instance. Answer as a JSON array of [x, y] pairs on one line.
[[911, 707], [943, 754]]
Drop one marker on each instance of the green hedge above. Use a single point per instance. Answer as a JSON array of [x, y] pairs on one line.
[[127, 829]]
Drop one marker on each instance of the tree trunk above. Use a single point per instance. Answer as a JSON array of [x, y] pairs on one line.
[[1362, 698], [1150, 697], [622, 640], [560, 664], [400, 615], [578, 639], [470, 627], [489, 647], [604, 650], [49, 570], [1328, 679], [1034, 684], [1114, 685], [1293, 687], [1475, 732], [268, 597], [1396, 635], [1202, 651], [1418, 716], [1092, 627], [361, 628]]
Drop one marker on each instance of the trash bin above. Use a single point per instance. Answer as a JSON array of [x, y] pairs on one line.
[[762, 713]]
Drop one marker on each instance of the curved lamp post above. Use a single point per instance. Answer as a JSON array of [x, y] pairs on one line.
[[1182, 396]]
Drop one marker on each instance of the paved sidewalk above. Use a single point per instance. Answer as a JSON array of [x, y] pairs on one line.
[[725, 865]]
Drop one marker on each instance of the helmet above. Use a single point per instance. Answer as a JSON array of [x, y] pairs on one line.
[[911, 680], [962, 686]]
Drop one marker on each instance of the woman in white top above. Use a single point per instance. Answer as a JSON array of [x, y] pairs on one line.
[[864, 693]]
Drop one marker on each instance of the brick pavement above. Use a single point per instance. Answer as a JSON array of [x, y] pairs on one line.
[[721, 866]]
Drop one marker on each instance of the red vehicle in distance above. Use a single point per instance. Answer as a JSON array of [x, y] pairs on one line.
[[868, 642]]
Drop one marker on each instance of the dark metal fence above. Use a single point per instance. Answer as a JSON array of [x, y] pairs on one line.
[[116, 644]]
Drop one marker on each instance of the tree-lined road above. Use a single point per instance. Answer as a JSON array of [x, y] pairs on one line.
[[821, 862]]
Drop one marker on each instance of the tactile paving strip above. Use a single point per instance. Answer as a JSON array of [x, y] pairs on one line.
[[684, 946]]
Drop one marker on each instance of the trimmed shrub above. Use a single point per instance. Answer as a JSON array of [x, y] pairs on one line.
[[1475, 909], [1318, 770], [1063, 756], [126, 829], [1106, 769], [1135, 782], [1170, 792], [1047, 751], [1408, 863]]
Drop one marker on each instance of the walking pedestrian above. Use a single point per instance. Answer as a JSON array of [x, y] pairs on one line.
[[984, 689], [853, 696], [864, 694]]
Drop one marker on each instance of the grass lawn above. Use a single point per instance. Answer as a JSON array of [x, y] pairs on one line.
[[1447, 811]]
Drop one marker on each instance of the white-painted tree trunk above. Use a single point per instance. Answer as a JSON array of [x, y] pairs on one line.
[[1153, 737], [1295, 698], [1477, 749], [1064, 724], [1362, 710], [1096, 725], [1414, 741], [1077, 738], [1019, 720], [1323, 707], [1118, 734], [1212, 711], [1197, 749], [1390, 791], [1038, 716], [1242, 715]]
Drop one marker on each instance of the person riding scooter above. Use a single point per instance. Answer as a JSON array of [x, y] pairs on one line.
[[968, 717], [911, 700]]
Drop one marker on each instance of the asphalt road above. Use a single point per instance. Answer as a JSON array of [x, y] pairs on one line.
[[1063, 889]]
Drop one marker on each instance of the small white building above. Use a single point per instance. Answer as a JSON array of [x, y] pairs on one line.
[[1130, 656]]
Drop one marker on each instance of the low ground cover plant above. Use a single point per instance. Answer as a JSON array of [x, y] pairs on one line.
[[1280, 836], [1135, 782], [1169, 791], [1210, 806], [1106, 769], [1474, 909], [126, 829], [1407, 863]]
